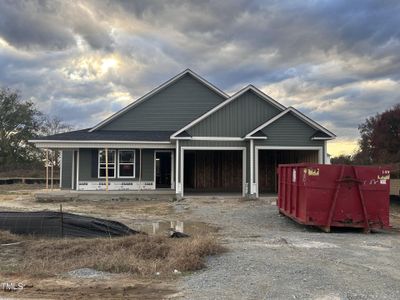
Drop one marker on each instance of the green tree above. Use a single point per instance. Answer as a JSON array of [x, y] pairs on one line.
[[19, 122], [342, 160], [380, 138]]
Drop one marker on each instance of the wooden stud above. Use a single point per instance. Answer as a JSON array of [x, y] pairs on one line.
[[47, 169], [52, 170]]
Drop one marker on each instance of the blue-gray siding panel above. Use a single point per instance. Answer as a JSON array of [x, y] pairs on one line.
[[237, 118], [66, 174], [170, 109], [289, 131], [148, 165]]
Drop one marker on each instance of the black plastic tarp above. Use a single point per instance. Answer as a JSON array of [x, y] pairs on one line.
[[60, 224]]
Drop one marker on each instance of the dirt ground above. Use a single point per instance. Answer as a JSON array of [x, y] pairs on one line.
[[269, 257]]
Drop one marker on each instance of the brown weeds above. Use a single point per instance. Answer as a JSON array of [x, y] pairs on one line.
[[140, 255], [7, 237]]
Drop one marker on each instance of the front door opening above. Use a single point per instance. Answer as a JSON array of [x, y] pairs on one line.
[[163, 169]]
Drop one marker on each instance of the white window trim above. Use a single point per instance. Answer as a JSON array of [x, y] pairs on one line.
[[98, 164], [134, 163]]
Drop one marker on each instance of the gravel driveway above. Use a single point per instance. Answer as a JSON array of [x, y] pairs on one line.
[[271, 257]]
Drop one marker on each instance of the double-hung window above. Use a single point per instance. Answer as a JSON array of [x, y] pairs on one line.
[[111, 163], [126, 163]]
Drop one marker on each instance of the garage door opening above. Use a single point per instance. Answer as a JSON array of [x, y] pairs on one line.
[[268, 161], [213, 171]]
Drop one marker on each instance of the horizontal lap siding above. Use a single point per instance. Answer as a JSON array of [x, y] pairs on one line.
[[170, 109], [237, 118], [148, 165], [66, 176]]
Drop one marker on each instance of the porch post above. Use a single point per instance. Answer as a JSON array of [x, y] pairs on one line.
[[140, 169], [177, 168], [106, 150], [60, 167], [251, 167], [47, 169], [77, 169], [52, 170]]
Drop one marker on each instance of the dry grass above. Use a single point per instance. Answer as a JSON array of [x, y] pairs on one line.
[[7, 237], [139, 255]]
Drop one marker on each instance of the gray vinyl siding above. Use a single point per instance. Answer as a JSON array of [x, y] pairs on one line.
[[289, 131], [170, 109], [85, 166], [148, 165], [237, 118], [66, 174]]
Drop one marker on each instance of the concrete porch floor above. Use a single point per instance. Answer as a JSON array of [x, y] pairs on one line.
[[72, 195]]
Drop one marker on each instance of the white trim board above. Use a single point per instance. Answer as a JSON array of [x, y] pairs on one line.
[[157, 90], [301, 116], [229, 100], [121, 145], [211, 138], [257, 148], [98, 141], [182, 155]]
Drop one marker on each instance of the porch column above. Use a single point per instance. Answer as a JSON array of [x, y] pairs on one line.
[[77, 170], [106, 151], [252, 188], [47, 169], [60, 167], [52, 169], [177, 183]]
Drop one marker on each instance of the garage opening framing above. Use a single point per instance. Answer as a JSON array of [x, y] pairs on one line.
[[182, 155], [257, 148]]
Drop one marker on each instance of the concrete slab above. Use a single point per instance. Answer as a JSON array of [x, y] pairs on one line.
[[68, 195]]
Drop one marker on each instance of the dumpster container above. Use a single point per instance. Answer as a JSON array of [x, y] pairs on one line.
[[335, 195]]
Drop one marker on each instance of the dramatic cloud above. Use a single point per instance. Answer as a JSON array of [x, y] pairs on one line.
[[337, 61]]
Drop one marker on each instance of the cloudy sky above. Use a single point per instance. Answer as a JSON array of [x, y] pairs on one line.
[[337, 61]]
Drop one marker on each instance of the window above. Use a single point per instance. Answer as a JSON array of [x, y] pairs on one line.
[[102, 163], [126, 163]]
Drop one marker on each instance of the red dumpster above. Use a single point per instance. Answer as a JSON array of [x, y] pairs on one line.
[[335, 195]]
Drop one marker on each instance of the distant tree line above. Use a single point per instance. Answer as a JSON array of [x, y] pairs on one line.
[[379, 141], [21, 121]]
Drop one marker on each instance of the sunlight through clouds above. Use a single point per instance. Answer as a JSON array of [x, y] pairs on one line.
[[84, 60]]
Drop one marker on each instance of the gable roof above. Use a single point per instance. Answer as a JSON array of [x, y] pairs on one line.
[[328, 135], [157, 90], [226, 102]]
